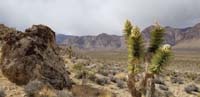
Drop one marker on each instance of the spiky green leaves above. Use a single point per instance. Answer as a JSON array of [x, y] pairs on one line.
[[156, 38], [157, 55], [161, 58], [135, 46], [161, 54], [127, 30]]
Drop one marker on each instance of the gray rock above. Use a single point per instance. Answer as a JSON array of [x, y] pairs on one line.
[[159, 81], [191, 88], [121, 84], [33, 55], [163, 87], [101, 80], [113, 79], [176, 80], [164, 94], [162, 91]]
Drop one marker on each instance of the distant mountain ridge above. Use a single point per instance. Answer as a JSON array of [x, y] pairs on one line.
[[101, 41], [173, 36]]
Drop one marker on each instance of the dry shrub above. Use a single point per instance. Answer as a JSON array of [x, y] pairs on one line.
[[38, 89]]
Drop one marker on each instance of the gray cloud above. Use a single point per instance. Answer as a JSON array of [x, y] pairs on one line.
[[83, 17]]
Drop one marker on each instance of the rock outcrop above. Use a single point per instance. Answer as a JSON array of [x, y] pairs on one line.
[[32, 55]]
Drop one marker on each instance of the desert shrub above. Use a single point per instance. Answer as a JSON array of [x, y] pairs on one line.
[[78, 67], [33, 88], [38, 89], [91, 75], [102, 80], [64, 93], [191, 76], [82, 72]]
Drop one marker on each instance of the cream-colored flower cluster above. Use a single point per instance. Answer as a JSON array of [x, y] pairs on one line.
[[166, 47], [135, 32]]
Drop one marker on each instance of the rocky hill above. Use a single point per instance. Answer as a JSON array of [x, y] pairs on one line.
[[173, 36], [101, 41]]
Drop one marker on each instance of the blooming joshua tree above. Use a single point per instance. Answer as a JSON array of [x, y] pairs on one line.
[[145, 63]]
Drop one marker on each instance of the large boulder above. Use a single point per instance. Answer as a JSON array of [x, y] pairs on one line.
[[32, 55]]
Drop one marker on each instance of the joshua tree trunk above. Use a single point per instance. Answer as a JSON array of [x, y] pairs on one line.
[[149, 80], [132, 86], [143, 87], [150, 88]]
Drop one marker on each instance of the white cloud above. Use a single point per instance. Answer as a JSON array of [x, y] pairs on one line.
[[83, 17]]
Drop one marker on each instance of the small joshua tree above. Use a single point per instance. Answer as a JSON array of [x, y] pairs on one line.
[[84, 73], [70, 52], [144, 64]]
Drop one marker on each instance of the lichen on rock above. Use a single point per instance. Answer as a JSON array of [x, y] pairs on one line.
[[31, 55]]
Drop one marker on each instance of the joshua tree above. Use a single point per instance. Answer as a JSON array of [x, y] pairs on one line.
[[144, 64], [70, 52]]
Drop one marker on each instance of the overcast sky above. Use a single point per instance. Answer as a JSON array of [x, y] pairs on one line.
[[91, 17]]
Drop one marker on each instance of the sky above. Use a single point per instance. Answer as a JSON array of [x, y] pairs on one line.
[[92, 17]]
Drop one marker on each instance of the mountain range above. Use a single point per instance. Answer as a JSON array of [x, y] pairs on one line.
[[188, 37]]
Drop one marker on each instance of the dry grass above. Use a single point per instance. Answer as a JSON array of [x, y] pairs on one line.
[[183, 59], [107, 57], [11, 90], [187, 60], [88, 91]]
